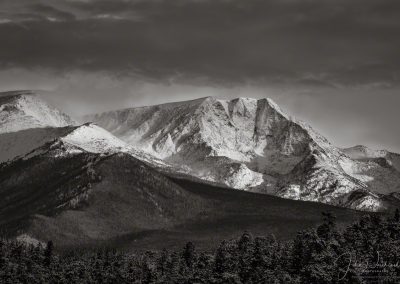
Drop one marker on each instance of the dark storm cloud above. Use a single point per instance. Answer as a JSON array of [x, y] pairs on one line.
[[51, 12], [333, 63], [17, 12], [324, 42]]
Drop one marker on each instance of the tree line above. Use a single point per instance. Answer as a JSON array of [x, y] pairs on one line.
[[364, 252]]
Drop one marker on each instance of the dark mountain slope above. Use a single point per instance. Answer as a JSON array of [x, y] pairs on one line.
[[234, 212], [80, 199], [87, 197], [19, 143]]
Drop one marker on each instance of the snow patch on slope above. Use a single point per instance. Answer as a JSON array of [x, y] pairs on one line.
[[241, 177], [356, 170], [368, 203]]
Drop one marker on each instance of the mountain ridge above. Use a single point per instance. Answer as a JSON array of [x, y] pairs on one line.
[[20, 110], [82, 185], [245, 143]]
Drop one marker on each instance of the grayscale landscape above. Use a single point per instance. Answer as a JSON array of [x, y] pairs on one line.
[[199, 141]]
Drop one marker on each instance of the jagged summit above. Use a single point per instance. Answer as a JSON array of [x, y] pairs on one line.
[[197, 102], [237, 128], [244, 143], [194, 102], [21, 110]]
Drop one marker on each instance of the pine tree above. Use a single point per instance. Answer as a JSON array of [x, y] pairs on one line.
[[327, 229], [224, 261], [173, 268], [162, 262], [189, 254], [203, 269], [48, 253], [246, 253], [397, 215]]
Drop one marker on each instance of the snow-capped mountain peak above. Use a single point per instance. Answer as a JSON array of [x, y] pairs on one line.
[[74, 139], [245, 143], [237, 128], [93, 139], [21, 110]]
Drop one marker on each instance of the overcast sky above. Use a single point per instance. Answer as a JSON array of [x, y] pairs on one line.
[[332, 63]]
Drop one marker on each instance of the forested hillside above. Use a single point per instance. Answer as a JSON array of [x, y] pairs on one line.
[[366, 251]]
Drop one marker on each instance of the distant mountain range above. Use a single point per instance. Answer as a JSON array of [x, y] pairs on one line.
[[179, 170]]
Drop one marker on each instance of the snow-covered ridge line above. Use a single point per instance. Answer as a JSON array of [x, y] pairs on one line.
[[22, 110], [75, 139], [244, 143], [87, 117], [249, 144]]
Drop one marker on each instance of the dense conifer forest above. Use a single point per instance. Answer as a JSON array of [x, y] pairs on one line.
[[365, 252]]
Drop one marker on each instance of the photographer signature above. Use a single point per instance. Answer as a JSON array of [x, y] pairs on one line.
[[363, 266]]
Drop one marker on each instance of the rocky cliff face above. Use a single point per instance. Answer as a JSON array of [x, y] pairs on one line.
[[239, 129], [247, 144]]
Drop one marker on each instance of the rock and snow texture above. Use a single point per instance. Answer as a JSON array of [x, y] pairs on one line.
[[28, 126], [94, 139], [69, 140], [244, 143], [74, 139], [247, 144], [378, 169], [87, 138], [363, 153], [22, 110], [245, 130]]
